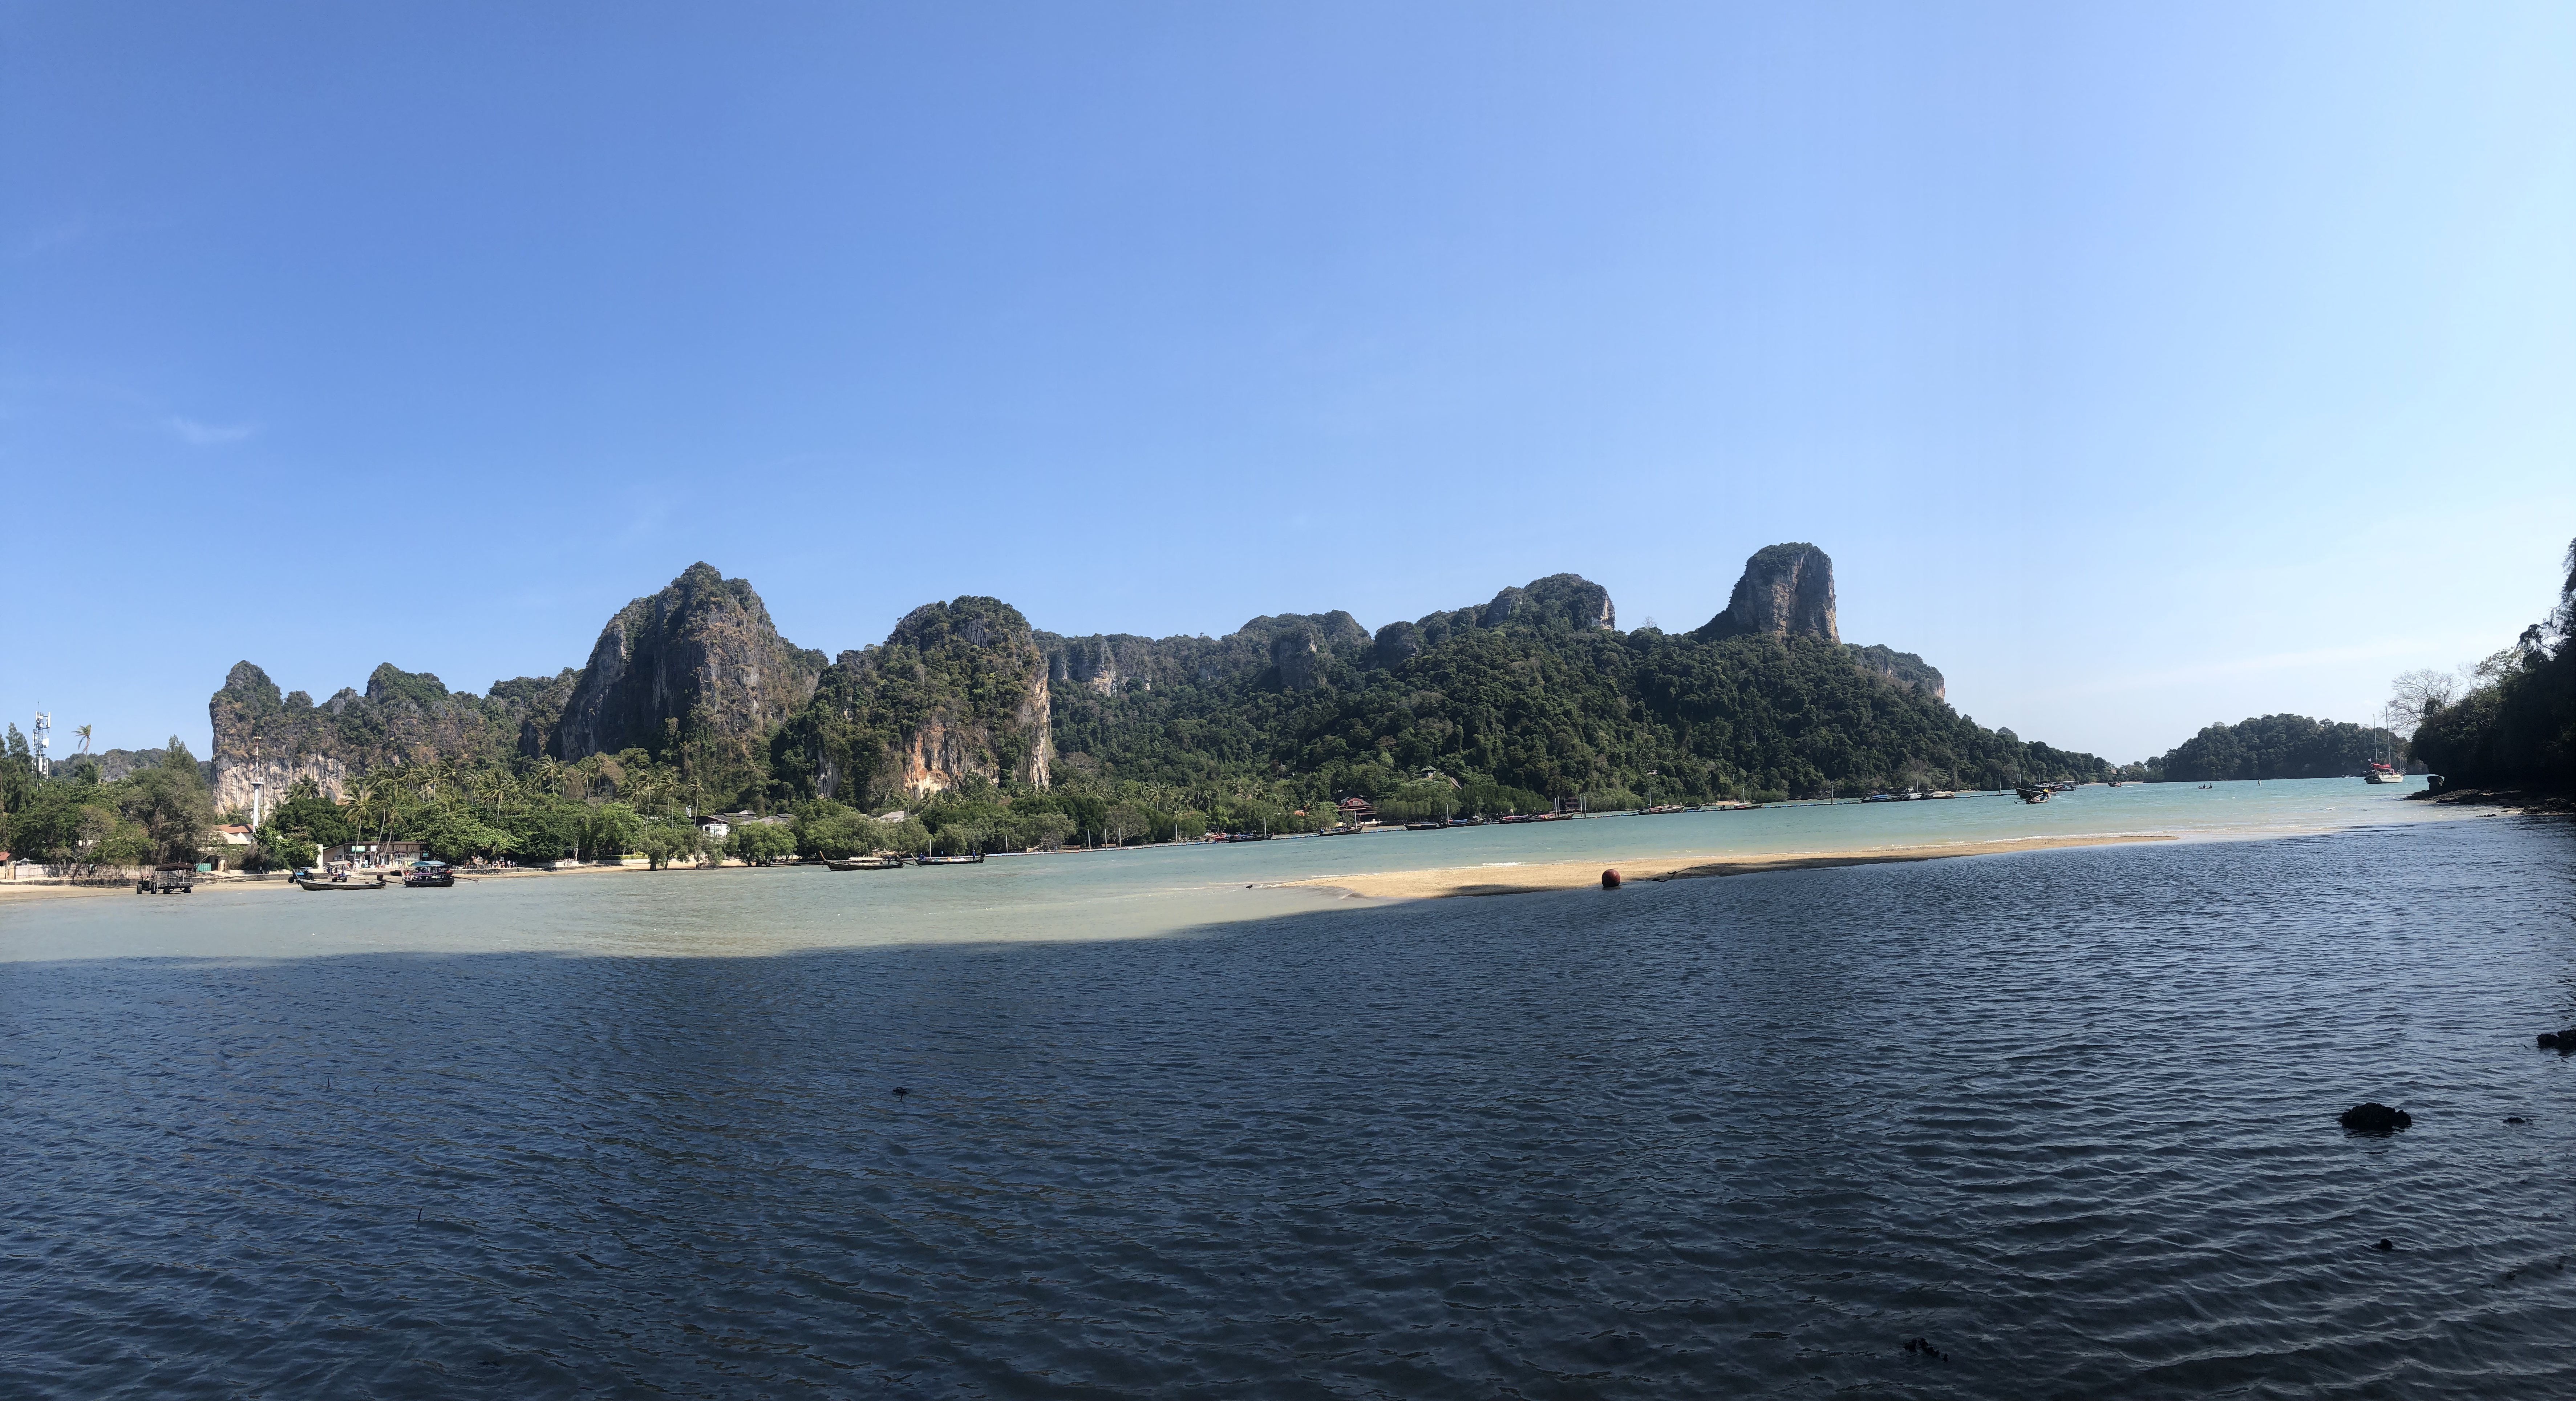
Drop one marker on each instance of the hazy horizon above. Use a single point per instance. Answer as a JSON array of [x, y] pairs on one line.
[[2137, 371]]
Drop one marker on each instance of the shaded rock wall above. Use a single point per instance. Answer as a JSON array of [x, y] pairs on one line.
[[1899, 668], [699, 658], [1786, 591], [402, 717]]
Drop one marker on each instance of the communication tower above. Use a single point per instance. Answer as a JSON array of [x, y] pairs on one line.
[[44, 736]]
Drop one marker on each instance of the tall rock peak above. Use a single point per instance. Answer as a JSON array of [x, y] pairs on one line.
[[1786, 591], [698, 659]]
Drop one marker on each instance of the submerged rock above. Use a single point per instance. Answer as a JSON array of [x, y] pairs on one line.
[[2375, 1117]]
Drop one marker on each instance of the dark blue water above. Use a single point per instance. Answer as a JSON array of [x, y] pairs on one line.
[[2068, 1115]]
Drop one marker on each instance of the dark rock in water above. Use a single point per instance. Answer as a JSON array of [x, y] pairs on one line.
[[1924, 1346], [2516, 1119], [2375, 1117], [2548, 1038], [2385, 1244]]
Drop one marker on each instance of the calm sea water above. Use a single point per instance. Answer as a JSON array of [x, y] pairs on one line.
[[2067, 1114]]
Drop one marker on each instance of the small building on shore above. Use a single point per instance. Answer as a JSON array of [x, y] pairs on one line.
[[1357, 810]]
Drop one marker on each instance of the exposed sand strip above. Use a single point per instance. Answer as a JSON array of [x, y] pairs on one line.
[[1573, 875]]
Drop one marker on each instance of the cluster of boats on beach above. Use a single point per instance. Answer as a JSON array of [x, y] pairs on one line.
[[419, 875]]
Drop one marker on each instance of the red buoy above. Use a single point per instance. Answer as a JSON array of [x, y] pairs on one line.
[[1609, 880]]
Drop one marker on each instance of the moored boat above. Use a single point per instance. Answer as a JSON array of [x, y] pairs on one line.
[[972, 858], [1426, 826], [2031, 795], [1660, 809], [867, 863], [341, 881], [428, 875], [2382, 773]]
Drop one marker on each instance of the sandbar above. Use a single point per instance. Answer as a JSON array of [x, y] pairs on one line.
[[1445, 881]]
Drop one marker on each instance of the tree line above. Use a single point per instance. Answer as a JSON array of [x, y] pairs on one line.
[[2512, 719]]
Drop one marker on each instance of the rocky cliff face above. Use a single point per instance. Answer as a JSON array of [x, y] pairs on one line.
[[700, 659], [1298, 651], [402, 717], [1786, 590], [1899, 669], [1289, 650], [1567, 600], [959, 690]]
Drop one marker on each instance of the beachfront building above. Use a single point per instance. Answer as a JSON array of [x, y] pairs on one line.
[[1358, 810]]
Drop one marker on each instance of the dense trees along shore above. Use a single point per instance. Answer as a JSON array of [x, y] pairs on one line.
[[2516, 723]]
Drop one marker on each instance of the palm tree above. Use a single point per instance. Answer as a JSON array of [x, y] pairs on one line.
[[496, 790]]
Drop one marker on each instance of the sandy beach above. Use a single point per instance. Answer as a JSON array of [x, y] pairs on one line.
[[1441, 882]]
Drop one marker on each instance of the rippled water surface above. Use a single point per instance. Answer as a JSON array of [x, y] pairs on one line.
[[2068, 1114]]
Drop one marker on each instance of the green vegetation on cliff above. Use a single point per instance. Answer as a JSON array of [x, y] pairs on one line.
[[1547, 707], [986, 734]]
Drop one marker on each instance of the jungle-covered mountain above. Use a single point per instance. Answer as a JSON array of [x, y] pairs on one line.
[[1533, 696]]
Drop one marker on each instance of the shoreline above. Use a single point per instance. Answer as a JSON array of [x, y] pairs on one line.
[[1447, 882], [57, 889]]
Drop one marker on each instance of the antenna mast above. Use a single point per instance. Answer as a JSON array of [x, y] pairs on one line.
[[44, 736]]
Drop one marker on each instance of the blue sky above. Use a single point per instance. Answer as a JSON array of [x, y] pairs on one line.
[[2140, 366]]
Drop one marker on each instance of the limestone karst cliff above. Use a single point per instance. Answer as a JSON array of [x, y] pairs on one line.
[[1786, 591], [1899, 668], [958, 691], [1535, 686], [699, 661], [697, 665], [402, 717], [1297, 651]]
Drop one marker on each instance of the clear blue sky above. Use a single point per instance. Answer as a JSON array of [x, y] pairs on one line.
[[2138, 365]]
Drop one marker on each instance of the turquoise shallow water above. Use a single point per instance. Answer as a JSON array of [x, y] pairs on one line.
[[2069, 1114], [1111, 894]]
